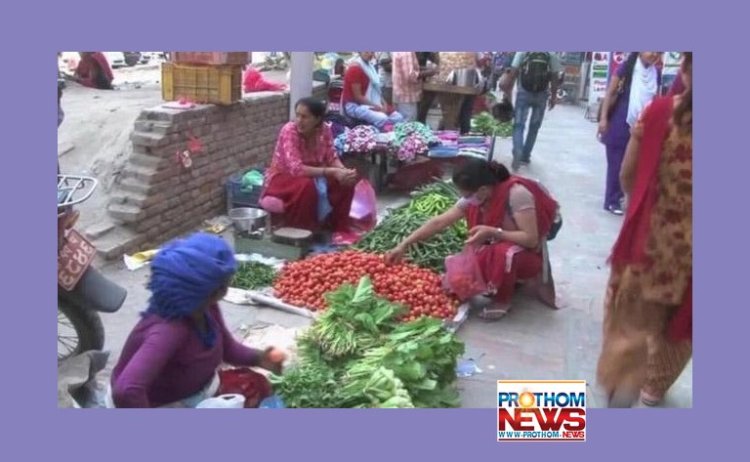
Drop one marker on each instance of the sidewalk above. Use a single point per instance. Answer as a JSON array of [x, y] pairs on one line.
[[533, 341]]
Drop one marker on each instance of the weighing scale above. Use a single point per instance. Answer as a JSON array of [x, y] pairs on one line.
[[284, 243]]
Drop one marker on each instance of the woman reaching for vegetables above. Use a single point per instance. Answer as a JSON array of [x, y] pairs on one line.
[[509, 218], [172, 355]]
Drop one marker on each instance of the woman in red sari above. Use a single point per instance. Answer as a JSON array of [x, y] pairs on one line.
[[509, 218], [648, 308], [305, 158], [94, 71]]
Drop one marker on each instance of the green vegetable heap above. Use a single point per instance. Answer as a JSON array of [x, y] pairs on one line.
[[356, 355], [487, 125], [427, 202], [253, 275]]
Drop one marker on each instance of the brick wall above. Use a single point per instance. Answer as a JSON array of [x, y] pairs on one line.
[[157, 199]]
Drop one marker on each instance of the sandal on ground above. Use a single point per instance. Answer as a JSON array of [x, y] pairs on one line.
[[650, 400], [494, 312]]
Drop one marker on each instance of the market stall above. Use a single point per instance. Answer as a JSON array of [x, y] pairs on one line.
[[450, 98], [383, 334], [408, 157]]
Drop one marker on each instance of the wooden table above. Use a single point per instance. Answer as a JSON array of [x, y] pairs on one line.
[[450, 98]]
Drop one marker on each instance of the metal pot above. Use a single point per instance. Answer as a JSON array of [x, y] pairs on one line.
[[248, 219], [465, 77]]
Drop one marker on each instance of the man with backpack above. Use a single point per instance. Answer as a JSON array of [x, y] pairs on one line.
[[538, 82]]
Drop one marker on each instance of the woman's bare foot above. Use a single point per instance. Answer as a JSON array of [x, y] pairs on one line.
[[494, 311]]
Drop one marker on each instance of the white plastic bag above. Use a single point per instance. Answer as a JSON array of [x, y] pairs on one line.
[[223, 402]]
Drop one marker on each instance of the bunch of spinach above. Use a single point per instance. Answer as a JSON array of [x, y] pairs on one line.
[[357, 355]]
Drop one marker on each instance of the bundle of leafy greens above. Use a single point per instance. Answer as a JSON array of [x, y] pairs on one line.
[[486, 124], [357, 355]]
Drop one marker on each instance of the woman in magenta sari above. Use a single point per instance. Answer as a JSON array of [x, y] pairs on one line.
[[304, 166], [648, 308], [509, 218]]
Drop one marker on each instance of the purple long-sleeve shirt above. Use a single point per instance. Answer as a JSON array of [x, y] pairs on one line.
[[166, 361], [678, 86]]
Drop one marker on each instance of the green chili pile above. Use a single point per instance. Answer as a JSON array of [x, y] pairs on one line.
[[428, 202]]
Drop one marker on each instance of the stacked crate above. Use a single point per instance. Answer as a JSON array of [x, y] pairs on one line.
[[210, 77]]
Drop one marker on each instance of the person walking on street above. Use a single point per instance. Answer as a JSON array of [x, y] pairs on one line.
[[634, 85], [647, 339], [538, 74]]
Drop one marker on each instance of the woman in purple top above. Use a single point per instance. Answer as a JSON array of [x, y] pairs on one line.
[[678, 86], [634, 85], [172, 356]]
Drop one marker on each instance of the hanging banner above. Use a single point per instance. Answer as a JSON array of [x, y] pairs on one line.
[[599, 75]]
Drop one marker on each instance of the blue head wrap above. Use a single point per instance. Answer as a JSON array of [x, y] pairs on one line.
[[185, 273]]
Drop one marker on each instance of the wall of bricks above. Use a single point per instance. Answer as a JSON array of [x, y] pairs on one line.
[[157, 198]]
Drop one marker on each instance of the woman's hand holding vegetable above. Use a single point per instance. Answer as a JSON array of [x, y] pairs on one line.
[[395, 256], [480, 235], [272, 360], [425, 232]]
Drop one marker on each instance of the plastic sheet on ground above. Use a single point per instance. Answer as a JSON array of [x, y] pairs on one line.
[[276, 263], [467, 368], [139, 260], [266, 298], [284, 338]]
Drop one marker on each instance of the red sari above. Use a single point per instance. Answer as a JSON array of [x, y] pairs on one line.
[[94, 71], [648, 308], [285, 182], [505, 263], [631, 246]]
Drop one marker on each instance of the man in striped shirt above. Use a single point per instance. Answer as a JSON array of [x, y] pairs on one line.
[[407, 83]]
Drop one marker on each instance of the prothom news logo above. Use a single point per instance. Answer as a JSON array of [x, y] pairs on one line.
[[542, 410]]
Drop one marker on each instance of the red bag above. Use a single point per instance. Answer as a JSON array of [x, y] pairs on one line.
[[246, 382], [255, 82], [463, 276]]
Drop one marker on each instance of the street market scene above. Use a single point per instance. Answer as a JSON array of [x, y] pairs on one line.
[[373, 229]]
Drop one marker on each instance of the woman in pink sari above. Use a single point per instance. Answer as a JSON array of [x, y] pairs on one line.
[[304, 164]]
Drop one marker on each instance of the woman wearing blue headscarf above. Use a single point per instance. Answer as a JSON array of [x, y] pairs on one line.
[[172, 355]]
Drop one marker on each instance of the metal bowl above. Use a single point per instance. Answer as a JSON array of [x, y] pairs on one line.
[[248, 219]]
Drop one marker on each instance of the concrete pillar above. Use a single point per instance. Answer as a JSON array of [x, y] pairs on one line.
[[300, 81]]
